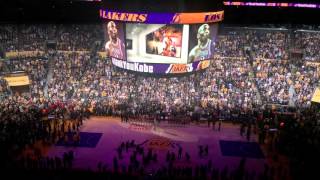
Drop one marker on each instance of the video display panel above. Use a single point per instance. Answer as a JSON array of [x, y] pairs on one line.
[[202, 38], [165, 41], [160, 43], [115, 41], [157, 43]]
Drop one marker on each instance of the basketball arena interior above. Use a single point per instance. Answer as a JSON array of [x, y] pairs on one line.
[[162, 89]]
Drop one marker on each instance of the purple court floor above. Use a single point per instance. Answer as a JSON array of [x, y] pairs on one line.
[[100, 136]]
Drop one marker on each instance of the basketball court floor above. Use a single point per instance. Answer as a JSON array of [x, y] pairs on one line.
[[101, 136]]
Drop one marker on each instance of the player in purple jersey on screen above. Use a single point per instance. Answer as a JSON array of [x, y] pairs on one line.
[[114, 47]]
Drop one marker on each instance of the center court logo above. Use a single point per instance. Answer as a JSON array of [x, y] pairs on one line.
[[159, 143]]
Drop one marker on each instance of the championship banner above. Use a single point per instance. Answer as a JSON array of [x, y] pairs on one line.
[[161, 68], [15, 54], [17, 81], [71, 52], [23, 54], [163, 18], [102, 54], [315, 64]]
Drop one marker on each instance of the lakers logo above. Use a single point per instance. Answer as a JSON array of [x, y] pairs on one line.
[[179, 68], [159, 143], [176, 18], [203, 64]]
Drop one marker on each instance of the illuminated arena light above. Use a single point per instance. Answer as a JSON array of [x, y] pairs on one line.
[[271, 4]]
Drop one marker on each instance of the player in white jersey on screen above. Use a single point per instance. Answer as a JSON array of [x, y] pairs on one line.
[[114, 47]]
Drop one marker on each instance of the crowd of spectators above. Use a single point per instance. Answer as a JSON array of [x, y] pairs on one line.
[[178, 165], [257, 63], [308, 42], [30, 37], [278, 79], [231, 43], [262, 43], [229, 83], [9, 37], [77, 37], [269, 44], [294, 134], [68, 69], [35, 68], [252, 67], [46, 163], [204, 171], [281, 82], [4, 88], [24, 122], [251, 44]]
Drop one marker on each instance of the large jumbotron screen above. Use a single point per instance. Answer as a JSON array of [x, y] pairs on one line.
[[173, 47]]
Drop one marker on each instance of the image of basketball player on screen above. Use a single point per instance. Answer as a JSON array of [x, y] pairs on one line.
[[114, 46], [165, 41], [169, 48], [203, 50]]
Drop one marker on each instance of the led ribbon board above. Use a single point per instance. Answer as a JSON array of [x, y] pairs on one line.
[[163, 18], [272, 4], [161, 68]]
